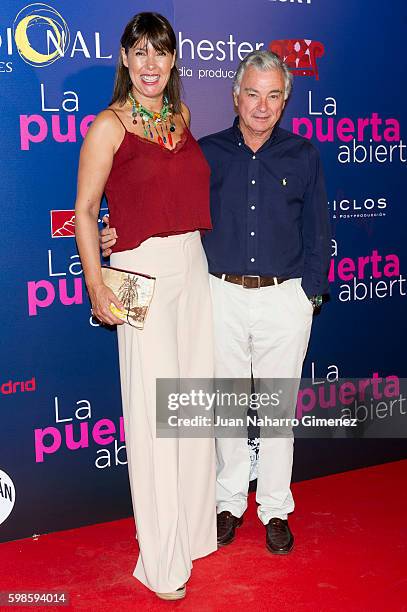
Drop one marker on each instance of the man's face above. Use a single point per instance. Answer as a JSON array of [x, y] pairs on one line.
[[260, 101]]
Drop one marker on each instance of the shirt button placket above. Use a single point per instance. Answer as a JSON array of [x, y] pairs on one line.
[[253, 201]]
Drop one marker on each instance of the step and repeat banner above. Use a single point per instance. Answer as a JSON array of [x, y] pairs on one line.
[[62, 446]]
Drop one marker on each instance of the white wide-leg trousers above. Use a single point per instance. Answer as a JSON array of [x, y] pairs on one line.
[[172, 480], [268, 330]]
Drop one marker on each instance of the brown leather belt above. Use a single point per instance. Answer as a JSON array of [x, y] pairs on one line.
[[249, 281]]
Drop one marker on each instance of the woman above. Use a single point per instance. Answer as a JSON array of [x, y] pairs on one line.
[[141, 153]]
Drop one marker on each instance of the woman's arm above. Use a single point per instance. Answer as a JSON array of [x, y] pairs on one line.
[[95, 163]]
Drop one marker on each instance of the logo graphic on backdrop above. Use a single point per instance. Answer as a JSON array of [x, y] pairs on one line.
[[7, 496], [75, 429], [62, 223], [217, 51], [369, 139], [64, 285], [41, 35], [299, 54], [18, 386], [61, 127], [37, 26], [358, 208], [375, 275]]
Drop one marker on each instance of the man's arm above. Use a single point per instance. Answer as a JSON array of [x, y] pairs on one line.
[[316, 230], [107, 237]]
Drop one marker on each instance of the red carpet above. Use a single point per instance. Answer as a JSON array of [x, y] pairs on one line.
[[350, 555]]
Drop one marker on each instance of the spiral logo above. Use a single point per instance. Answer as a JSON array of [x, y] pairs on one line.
[[41, 34]]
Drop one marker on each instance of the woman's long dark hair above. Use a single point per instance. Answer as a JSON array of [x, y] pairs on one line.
[[157, 30]]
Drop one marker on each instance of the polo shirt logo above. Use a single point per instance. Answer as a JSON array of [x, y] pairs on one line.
[[284, 182]]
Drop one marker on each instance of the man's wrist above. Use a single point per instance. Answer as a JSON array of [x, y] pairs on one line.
[[316, 301]]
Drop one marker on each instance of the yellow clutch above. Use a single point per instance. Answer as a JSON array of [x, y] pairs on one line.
[[134, 290]]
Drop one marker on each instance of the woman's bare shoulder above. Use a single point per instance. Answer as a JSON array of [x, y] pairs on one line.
[[105, 132], [107, 122]]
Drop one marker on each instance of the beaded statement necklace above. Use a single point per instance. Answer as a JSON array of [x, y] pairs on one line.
[[156, 121]]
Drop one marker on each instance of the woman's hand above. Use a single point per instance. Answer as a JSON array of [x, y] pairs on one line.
[[107, 237], [102, 297]]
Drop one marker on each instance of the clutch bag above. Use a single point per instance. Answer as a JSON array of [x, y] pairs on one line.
[[134, 290]]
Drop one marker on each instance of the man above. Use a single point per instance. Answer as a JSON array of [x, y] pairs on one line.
[[268, 257]]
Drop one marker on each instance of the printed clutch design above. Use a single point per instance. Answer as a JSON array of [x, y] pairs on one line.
[[135, 292]]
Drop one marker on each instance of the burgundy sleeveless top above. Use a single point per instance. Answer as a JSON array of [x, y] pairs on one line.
[[153, 191]]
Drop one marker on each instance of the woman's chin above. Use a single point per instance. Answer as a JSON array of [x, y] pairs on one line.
[[150, 91]]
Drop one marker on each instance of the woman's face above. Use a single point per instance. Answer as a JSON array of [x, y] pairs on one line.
[[149, 70]]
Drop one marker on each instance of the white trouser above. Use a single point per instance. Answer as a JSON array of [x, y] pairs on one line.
[[268, 330], [172, 480]]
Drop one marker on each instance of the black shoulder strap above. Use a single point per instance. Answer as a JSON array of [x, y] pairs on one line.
[[184, 120], [113, 111]]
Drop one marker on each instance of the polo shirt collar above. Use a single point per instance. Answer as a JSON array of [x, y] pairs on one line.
[[239, 136]]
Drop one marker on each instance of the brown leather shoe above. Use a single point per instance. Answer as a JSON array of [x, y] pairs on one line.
[[279, 539], [226, 526]]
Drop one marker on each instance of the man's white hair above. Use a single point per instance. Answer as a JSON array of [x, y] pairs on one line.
[[264, 60]]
